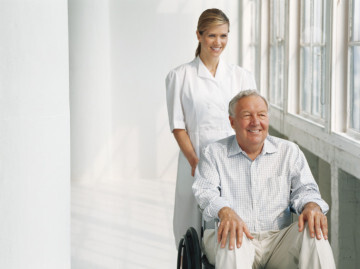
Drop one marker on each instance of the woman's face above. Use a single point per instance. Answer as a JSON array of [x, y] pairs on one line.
[[213, 41]]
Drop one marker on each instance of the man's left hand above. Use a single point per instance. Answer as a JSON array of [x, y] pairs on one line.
[[316, 220]]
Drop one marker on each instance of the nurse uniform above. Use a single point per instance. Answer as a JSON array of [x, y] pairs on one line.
[[198, 103]]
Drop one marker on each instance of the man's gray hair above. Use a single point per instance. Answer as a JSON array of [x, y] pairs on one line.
[[241, 95]]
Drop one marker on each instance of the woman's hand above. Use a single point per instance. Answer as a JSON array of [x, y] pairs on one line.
[[193, 163], [187, 148]]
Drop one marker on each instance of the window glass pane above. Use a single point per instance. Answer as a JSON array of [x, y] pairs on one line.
[[281, 19], [319, 22], [355, 88], [306, 79], [277, 53], [272, 73], [318, 81], [313, 58], [273, 15], [254, 21], [252, 62], [305, 22], [253, 50], [280, 88], [355, 33]]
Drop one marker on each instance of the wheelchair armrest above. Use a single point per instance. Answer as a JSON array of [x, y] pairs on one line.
[[213, 224]]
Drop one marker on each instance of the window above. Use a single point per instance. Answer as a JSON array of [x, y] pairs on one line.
[[255, 39], [354, 66], [313, 58], [277, 52]]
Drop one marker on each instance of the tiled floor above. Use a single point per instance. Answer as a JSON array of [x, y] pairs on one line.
[[125, 224]]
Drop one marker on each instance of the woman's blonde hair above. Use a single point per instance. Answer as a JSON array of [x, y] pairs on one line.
[[209, 18]]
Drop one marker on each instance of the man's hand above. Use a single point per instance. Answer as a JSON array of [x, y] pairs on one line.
[[316, 219], [231, 223]]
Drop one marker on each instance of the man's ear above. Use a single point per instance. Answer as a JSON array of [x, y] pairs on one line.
[[231, 121]]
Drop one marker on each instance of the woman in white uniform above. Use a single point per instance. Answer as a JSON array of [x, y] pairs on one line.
[[198, 94]]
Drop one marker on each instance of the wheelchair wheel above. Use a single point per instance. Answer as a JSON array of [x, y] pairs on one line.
[[189, 250]]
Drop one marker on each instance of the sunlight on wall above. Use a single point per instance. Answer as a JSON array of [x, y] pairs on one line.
[[120, 56]]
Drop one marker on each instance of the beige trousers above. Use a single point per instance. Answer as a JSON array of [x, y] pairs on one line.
[[287, 249]]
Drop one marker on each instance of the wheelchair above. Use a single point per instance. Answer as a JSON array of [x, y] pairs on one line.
[[190, 251]]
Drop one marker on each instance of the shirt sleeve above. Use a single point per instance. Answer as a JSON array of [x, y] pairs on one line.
[[173, 99], [303, 186], [207, 187]]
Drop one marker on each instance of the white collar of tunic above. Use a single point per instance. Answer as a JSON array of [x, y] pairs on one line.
[[205, 73]]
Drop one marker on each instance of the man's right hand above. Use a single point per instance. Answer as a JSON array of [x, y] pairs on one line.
[[231, 223]]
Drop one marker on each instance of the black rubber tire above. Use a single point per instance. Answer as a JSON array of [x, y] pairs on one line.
[[192, 247]]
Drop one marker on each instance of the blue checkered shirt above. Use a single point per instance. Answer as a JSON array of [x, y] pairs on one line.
[[262, 192]]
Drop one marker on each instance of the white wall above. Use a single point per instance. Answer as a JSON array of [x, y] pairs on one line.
[[34, 135], [121, 52]]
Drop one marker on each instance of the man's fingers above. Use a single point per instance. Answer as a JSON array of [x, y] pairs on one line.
[[219, 234], [247, 233], [311, 226], [232, 238], [224, 234], [324, 227], [301, 223], [238, 238], [318, 227]]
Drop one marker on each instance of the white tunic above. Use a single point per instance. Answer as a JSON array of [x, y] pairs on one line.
[[198, 103]]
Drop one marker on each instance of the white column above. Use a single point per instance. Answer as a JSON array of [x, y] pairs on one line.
[[90, 91], [34, 135]]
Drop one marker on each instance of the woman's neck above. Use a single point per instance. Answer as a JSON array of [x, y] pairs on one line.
[[211, 63]]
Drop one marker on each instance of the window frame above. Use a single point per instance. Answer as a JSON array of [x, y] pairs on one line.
[[350, 65], [279, 43], [324, 94], [254, 39]]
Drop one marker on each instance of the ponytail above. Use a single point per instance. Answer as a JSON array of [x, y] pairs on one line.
[[198, 50]]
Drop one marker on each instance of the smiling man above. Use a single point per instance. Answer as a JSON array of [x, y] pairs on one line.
[[251, 181]]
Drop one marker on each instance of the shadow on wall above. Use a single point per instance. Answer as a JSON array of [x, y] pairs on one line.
[[349, 219]]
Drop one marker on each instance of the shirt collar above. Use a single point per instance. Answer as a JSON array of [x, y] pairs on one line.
[[205, 73], [268, 147], [236, 149]]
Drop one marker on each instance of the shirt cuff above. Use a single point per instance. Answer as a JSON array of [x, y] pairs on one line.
[[177, 125], [320, 202], [212, 211]]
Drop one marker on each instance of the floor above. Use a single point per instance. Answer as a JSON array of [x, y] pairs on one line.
[[125, 224]]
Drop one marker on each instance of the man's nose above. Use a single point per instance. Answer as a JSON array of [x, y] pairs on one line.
[[255, 120]]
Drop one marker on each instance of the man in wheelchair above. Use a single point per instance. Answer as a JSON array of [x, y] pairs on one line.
[[251, 182]]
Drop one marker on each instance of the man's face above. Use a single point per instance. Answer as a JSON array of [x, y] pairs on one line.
[[251, 122]]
